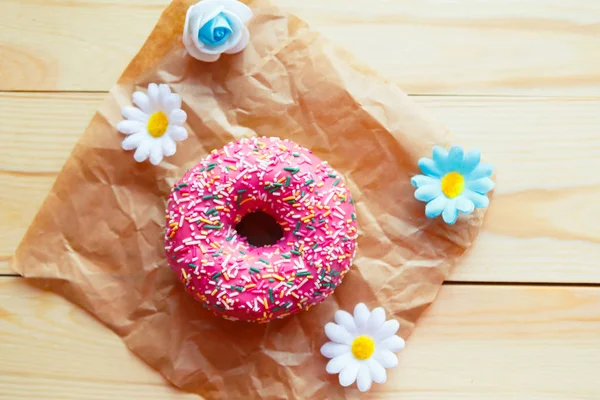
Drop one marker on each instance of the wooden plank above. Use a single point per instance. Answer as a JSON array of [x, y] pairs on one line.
[[38, 132], [541, 226], [53, 350], [532, 47], [476, 342], [71, 45], [542, 223]]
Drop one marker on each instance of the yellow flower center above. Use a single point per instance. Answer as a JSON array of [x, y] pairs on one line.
[[363, 347], [453, 184], [158, 124]]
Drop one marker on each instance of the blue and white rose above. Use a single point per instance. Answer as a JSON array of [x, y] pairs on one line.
[[214, 27]]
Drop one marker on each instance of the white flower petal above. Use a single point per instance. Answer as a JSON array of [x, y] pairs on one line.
[[464, 205], [389, 328], [128, 127], [177, 133], [378, 373], [206, 10], [346, 320], [239, 8], [436, 206], [394, 344], [177, 117], [332, 350], [135, 114], [242, 42], [192, 18], [428, 192], [376, 320], [171, 103], [349, 373], [153, 96], [143, 150], [141, 100], [133, 141], [361, 316], [196, 53], [450, 213], [338, 333], [164, 91], [422, 180], [194, 13], [363, 379], [200, 15], [335, 365], [168, 145], [156, 153], [386, 358]]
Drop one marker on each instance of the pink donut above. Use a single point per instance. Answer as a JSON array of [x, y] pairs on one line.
[[218, 266]]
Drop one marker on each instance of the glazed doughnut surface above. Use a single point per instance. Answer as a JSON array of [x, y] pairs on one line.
[[218, 266]]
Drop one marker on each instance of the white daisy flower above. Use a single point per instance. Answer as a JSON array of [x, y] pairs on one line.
[[362, 347], [154, 125]]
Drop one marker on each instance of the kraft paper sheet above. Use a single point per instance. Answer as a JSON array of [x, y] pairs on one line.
[[98, 237]]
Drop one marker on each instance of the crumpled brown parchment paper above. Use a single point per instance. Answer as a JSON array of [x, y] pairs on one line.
[[98, 237]]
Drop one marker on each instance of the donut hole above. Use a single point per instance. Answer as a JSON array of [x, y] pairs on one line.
[[260, 229]]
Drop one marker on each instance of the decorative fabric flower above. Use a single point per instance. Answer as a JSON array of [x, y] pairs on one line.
[[361, 347], [453, 182], [214, 27], [154, 125]]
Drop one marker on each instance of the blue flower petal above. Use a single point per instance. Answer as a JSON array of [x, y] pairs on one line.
[[482, 185], [470, 161], [464, 205], [428, 192], [429, 168], [422, 180], [450, 213], [479, 200], [455, 158], [440, 158], [216, 31], [435, 206], [483, 170]]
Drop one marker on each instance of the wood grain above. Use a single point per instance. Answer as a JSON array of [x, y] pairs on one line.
[[476, 342], [53, 350], [517, 47], [38, 132], [541, 227]]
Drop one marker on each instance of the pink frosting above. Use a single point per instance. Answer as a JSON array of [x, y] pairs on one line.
[[236, 280]]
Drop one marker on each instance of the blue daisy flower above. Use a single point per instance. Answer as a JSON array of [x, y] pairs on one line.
[[453, 182]]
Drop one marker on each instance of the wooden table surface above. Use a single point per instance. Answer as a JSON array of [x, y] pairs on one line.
[[520, 79]]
